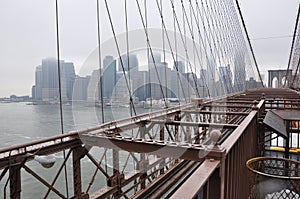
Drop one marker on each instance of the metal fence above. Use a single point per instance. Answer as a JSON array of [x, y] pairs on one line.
[[274, 178]]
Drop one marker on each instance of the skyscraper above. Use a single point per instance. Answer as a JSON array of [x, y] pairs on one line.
[[80, 88], [180, 66], [46, 86], [108, 76], [128, 64], [239, 72], [226, 78], [38, 84]]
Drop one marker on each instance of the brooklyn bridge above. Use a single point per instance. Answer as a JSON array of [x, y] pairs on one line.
[[210, 127]]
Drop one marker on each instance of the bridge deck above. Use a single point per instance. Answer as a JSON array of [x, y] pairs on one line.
[[193, 150]]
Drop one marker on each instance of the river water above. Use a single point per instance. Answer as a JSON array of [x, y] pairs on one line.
[[21, 123]]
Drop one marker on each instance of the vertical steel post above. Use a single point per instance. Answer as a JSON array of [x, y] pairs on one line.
[[15, 181], [162, 137], [187, 136], [287, 141], [142, 163], [77, 152], [214, 185]]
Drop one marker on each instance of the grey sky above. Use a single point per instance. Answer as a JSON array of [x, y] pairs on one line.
[[27, 35], [267, 19]]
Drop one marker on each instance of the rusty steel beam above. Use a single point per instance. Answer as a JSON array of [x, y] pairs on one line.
[[235, 135], [165, 182], [39, 178], [15, 181], [227, 106], [78, 154], [199, 111], [136, 121], [194, 152], [193, 124], [231, 101], [39, 149], [25, 147], [193, 185]]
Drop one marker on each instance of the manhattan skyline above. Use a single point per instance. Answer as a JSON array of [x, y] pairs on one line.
[[24, 46]]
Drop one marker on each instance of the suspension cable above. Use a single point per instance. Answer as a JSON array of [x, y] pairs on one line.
[[119, 54], [99, 62], [60, 90], [170, 46], [292, 49], [151, 52], [249, 42]]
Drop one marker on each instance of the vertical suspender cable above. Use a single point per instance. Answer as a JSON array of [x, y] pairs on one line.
[[59, 90], [119, 54], [148, 54], [164, 58], [128, 56], [249, 43], [170, 46], [99, 62], [150, 49]]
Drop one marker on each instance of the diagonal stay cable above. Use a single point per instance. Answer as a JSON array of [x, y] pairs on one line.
[[170, 46], [151, 51], [119, 54], [184, 42]]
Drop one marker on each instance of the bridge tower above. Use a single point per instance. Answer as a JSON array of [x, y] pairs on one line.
[[281, 75]]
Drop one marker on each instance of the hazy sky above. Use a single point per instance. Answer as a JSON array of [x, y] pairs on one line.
[[27, 35]]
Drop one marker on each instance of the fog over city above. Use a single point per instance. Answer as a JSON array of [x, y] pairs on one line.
[[28, 34]]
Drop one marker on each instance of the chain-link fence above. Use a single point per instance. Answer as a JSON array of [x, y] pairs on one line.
[[274, 178]]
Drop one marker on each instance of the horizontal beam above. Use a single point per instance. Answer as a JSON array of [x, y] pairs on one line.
[[195, 152], [194, 124], [46, 150], [216, 105], [215, 112]]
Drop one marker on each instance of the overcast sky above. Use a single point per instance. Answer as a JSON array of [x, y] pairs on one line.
[[27, 35]]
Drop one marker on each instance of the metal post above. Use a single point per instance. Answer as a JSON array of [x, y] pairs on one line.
[[142, 163], [162, 137], [15, 182], [214, 185], [188, 129], [287, 141], [78, 153]]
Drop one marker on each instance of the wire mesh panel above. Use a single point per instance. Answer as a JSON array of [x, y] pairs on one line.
[[274, 178]]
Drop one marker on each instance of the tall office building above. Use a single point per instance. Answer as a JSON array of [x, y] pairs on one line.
[[46, 86], [226, 78], [37, 91], [69, 75], [180, 66], [108, 76], [139, 84], [211, 76], [239, 72], [80, 88], [128, 64], [154, 58], [93, 89], [158, 80]]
